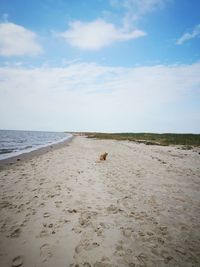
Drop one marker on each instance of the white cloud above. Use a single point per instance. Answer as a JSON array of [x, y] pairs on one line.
[[83, 97], [188, 36], [16, 40], [140, 6], [96, 34], [135, 9]]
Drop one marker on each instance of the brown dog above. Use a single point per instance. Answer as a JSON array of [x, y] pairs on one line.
[[103, 156]]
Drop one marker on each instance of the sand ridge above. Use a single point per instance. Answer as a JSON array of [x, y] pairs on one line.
[[140, 207]]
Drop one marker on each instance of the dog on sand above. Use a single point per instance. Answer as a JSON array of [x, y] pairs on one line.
[[103, 156]]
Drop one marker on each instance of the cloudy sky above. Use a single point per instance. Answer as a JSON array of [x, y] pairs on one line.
[[100, 65]]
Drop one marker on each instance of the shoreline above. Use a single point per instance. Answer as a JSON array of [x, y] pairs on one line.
[[10, 162]]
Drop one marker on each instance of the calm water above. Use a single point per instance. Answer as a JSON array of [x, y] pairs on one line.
[[13, 143]]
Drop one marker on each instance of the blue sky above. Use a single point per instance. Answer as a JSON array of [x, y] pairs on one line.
[[104, 65]]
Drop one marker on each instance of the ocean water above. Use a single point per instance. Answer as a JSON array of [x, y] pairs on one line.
[[14, 143]]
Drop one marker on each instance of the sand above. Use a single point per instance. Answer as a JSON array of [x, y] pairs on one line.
[[140, 207]]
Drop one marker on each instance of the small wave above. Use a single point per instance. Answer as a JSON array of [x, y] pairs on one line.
[[27, 147], [16, 151], [5, 151]]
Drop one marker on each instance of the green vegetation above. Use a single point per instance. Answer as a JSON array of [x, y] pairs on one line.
[[152, 138]]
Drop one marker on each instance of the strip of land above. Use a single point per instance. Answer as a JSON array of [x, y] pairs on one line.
[[186, 140], [64, 207]]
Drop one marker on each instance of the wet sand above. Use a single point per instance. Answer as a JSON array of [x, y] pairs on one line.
[[140, 207]]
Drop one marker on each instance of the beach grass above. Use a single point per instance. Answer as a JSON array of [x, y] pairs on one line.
[[152, 138]]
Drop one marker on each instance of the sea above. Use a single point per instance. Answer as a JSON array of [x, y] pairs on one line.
[[14, 143]]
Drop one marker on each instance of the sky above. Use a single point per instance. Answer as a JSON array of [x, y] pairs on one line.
[[100, 65]]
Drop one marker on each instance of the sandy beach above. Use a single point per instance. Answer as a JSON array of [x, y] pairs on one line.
[[140, 207]]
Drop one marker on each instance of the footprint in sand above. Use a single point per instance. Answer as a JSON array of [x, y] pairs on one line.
[[46, 215], [43, 233], [15, 233], [58, 204], [85, 244], [76, 230], [164, 230], [112, 209], [45, 252], [17, 261], [142, 258], [72, 211], [180, 250], [102, 264], [127, 232], [24, 223], [99, 228], [120, 250], [58, 187], [42, 204], [86, 218], [166, 256]]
